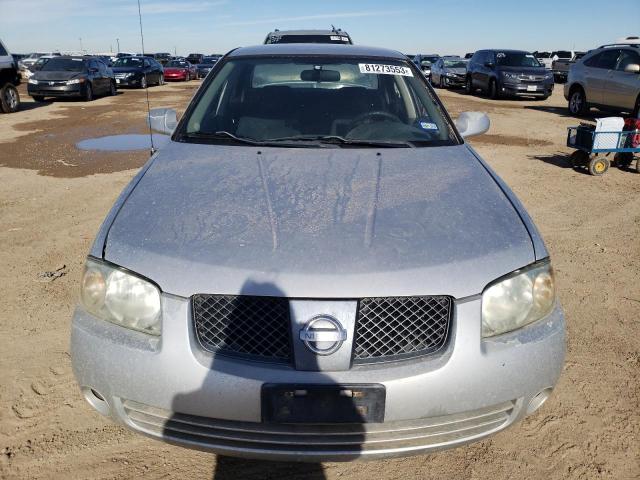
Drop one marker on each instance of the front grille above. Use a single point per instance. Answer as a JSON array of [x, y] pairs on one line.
[[258, 328], [396, 327], [531, 78], [254, 327]]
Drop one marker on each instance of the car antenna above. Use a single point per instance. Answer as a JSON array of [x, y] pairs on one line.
[[153, 148]]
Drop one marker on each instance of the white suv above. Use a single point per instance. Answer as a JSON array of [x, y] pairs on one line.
[[608, 78]]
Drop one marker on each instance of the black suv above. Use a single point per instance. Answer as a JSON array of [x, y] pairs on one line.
[[9, 79], [195, 58], [336, 35], [508, 73], [68, 76]]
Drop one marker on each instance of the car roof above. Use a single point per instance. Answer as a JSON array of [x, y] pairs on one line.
[[316, 49]]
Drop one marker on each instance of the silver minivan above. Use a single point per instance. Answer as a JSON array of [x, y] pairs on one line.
[[607, 78], [317, 266]]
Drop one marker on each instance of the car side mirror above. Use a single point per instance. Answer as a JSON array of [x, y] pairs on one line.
[[163, 120], [489, 64], [470, 124], [632, 68]]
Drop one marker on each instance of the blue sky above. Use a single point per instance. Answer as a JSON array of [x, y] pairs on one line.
[[207, 26]]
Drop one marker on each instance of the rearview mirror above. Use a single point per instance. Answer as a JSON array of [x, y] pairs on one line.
[[317, 75], [163, 120], [470, 124], [632, 68]]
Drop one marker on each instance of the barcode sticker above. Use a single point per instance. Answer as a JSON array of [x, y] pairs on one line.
[[380, 69]]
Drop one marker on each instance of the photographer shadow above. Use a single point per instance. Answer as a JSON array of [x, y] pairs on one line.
[[238, 467]]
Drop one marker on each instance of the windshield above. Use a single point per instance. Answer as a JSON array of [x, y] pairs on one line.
[[63, 65], [429, 60], [177, 63], [516, 59], [455, 64], [543, 55], [134, 62], [209, 60], [317, 100]]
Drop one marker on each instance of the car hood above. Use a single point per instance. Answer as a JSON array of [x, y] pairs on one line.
[[56, 75], [318, 223]]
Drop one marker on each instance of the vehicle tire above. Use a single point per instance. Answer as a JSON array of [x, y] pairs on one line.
[[88, 93], [113, 90], [468, 86], [636, 111], [9, 98], [143, 82], [623, 159], [579, 158], [638, 164], [441, 82], [161, 80], [187, 77], [37, 98], [493, 92], [598, 165], [578, 102]]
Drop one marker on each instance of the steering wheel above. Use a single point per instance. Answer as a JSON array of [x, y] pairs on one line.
[[370, 117]]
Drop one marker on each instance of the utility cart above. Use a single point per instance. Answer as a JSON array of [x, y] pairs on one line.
[[598, 150]]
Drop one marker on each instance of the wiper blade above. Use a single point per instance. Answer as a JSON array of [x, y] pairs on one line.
[[338, 140], [224, 135]]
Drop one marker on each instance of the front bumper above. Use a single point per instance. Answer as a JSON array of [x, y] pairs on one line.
[[129, 82], [168, 388], [46, 90], [176, 76], [454, 81], [525, 90]]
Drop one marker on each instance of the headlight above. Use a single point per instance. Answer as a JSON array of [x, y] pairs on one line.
[[522, 298], [510, 76], [75, 81], [120, 297], [32, 81]]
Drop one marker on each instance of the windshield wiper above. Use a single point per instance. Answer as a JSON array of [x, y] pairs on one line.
[[224, 135], [338, 140]]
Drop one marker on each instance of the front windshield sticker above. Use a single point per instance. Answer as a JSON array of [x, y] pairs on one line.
[[379, 69], [428, 126], [500, 55]]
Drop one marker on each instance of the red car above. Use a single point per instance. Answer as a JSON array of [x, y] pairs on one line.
[[180, 70]]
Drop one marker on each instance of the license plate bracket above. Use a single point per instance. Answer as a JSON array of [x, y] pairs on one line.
[[294, 403]]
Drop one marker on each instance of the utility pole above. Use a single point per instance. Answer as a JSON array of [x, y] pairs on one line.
[[174, 52], [81, 49], [118, 40]]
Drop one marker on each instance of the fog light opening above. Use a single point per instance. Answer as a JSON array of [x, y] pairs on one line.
[[96, 400], [537, 401]]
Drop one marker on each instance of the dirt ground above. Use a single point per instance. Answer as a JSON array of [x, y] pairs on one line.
[[53, 198]]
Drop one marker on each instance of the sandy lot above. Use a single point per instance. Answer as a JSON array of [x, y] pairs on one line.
[[53, 198]]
